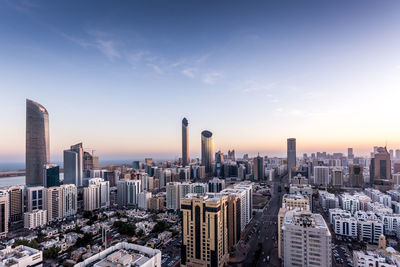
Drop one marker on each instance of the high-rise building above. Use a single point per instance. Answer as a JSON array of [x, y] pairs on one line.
[[204, 230], [173, 196], [16, 203], [185, 142], [37, 142], [35, 219], [306, 240], [69, 200], [90, 162], [231, 155], [143, 200], [258, 168], [234, 219], [91, 197], [356, 177], [127, 192], [53, 203], [207, 151], [291, 154], [337, 177], [35, 198], [3, 213], [51, 175], [104, 191], [246, 202], [397, 153], [73, 165], [380, 168], [350, 154], [321, 175]]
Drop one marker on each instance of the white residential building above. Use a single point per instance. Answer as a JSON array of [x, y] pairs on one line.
[[369, 230], [371, 258], [321, 175], [91, 197], [69, 200], [337, 212], [35, 219], [20, 256], [184, 189], [143, 200], [35, 198], [247, 199], [173, 196], [345, 226], [127, 192]]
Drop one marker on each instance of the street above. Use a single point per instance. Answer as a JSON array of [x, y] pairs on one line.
[[262, 229]]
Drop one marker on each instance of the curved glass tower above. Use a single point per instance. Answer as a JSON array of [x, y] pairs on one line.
[[206, 151], [185, 143], [37, 153]]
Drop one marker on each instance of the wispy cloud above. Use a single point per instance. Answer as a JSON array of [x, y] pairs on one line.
[[189, 72], [155, 68], [211, 77], [253, 86], [108, 49]]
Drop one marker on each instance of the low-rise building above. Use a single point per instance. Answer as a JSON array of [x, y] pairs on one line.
[[20, 256]]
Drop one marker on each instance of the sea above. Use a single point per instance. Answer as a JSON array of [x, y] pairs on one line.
[[17, 180]]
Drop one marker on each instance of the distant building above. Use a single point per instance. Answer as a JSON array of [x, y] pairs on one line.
[[173, 196], [90, 162], [380, 168], [185, 142], [291, 154], [37, 142], [35, 219], [73, 165], [204, 241], [4, 209], [356, 176], [16, 203], [207, 151], [321, 175], [91, 197], [53, 203], [127, 192], [51, 175], [216, 185], [295, 201], [69, 200], [143, 200], [104, 191], [337, 177], [35, 198], [258, 168], [156, 203], [350, 154]]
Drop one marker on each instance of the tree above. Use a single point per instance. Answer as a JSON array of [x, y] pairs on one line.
[[84, 241], [32, 244], [161, 226], [125, 228], [51, 253], [139, 233]]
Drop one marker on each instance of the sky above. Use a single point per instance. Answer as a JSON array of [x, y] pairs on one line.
[[120, 76]]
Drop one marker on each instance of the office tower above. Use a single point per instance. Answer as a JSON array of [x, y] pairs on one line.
[[148, 161], [242, 172], [127, 192], [4, 213], [104, 191], [137, 165], [35, 196], [185, 142], [165, 177], [295, 201], [37, 142], [356, 177], [350, 154], [90, 162], [73, 165], [391, 153], [258, 168], [234, 213], [156, 203], [219, 157], [321, 175], [91, 197], [291, 154], [204, 231], [337, 177], [69, 200], [306, 240], [143, 200], [51, 175], [16, 203], [207, 151], [35, 219], [53, 203], [216, 185], [173, 196], [380, 169]]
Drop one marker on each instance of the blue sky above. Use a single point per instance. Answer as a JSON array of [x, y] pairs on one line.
[[120, 77]]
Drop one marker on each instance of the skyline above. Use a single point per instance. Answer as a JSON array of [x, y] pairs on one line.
[[326, 74]]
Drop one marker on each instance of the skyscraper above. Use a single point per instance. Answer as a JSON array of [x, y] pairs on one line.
[[51, 175], [204, 230], [380, 170], [291, 154], [185, 143], [3, 213], [16, 203], [356, 178], [207, 151], [73, 165], [258, 168], [350, 154], [37, 142]]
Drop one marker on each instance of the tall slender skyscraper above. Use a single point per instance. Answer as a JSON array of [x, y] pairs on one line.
[[73, 165], [207, 151], [185, 144], [37, 152], [291, 154]]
